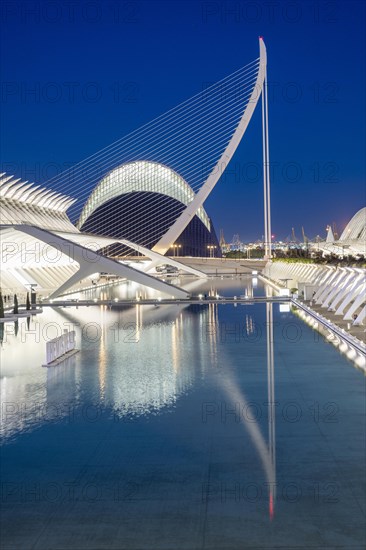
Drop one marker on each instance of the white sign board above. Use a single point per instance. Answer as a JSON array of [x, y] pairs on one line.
[[284, 292], [57, 347]]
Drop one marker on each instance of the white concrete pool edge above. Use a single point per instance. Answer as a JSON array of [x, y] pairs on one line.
[[347, 344]]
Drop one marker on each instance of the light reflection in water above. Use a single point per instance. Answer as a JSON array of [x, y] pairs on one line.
[[266, 451], [102, 356], [129, 363], [158, 385], [138, 354]]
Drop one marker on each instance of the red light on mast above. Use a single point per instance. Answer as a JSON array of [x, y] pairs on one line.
[[271, 509]]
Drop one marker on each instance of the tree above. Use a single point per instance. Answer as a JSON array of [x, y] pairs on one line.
[[16, 308], [28, 305], [2, 314]]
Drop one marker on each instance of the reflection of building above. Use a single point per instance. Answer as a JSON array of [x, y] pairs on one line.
[[139, 201]]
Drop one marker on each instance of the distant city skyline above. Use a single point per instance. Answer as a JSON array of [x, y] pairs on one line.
[[297, 231], [76, 80]]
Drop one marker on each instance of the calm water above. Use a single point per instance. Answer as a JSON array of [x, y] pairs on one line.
[[181, 427]]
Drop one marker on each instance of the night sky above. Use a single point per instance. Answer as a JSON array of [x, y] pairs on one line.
[[98, 70]]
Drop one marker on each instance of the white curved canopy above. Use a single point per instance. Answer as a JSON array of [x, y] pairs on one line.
[[14, 191], [356, 227]]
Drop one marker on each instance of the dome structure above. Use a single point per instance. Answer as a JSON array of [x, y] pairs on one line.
[[140, 201], [356, 227], [42, 249]]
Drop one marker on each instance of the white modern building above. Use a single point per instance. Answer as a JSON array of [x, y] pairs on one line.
[[352, 241], [144, 193], [40, 246], [341, 290], [139, 201]]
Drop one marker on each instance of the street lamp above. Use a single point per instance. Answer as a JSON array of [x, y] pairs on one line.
[[33, 295], [211, 248], [176, 248]]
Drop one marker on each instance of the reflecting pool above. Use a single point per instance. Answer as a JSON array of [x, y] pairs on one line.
[[217, 426]]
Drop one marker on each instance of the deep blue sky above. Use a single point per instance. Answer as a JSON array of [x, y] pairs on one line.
[[158, 53]]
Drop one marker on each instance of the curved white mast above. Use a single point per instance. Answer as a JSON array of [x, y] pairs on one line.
[[266, 173], [168, 239]]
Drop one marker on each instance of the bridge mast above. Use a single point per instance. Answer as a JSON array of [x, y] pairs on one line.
[[266, 171]]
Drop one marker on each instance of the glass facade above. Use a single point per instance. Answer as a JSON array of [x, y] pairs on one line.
[[147, 223], [140, 176]]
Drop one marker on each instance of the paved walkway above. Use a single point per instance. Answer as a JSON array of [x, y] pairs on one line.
[[358, 331]]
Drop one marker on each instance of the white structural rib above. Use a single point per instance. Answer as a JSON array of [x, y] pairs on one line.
[[141, 176], [91, 262], [33, 195], [158, 259], [183, 220], [356, 227]]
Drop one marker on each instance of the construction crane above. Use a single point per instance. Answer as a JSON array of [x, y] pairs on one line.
[[304, 237], [335, 231], [236, 242], [222, 239]]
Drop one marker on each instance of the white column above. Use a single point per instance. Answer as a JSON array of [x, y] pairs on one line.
[[266, 172]]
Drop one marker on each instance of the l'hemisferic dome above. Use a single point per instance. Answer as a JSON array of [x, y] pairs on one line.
[[139, 201]]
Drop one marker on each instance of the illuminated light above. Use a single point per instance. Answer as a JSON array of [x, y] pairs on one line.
[[141, 176], [271, 508], [284, 292], [159, 299], [200, 296], [361, 362], [95, 300], [116, 299]]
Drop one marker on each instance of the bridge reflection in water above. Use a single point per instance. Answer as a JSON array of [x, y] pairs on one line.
[[126, 414]]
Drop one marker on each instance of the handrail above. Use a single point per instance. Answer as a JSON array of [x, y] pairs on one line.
[[351, 340]]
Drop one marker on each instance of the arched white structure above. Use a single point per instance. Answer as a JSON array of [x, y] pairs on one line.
[[90, 262], [351, 242], [193, 142], [340, 290], [141, 176], [183, 220], [40, 245], [186, 151], [32, 195], [356, 227]]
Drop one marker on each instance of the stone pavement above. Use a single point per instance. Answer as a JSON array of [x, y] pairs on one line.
[[358, 331]]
